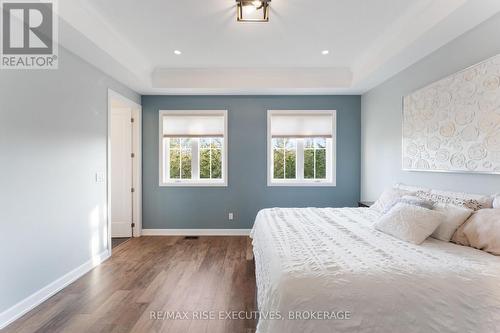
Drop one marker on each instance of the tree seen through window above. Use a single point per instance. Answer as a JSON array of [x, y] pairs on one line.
[[181, 159]]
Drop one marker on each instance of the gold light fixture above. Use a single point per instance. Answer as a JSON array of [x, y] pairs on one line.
[[253, 10]]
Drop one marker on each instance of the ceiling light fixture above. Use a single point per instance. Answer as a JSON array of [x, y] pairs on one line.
[[325, 52], [177, 52], [253, 10]]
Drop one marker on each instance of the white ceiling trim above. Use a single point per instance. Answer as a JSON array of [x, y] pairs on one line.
[[423, 28], [251, 79], [426, 27], [419, 18], [252, 92], [86, 33]]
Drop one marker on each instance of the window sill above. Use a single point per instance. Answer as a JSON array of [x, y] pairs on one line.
[[194, 184], [301, 184]]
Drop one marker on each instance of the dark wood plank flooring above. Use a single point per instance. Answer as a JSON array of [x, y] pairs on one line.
[[149, 277]]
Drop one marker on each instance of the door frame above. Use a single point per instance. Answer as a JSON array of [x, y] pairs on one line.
[[137, 164]]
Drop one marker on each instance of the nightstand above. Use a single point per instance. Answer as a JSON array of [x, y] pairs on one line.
[[365, 204]]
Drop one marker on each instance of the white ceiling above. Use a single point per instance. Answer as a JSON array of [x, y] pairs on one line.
[[208, 35], [368, 40]]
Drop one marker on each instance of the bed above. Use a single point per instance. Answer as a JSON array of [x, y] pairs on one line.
[[327, 270]]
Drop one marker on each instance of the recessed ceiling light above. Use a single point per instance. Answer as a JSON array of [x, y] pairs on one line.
[[325, 52], [177, 52]]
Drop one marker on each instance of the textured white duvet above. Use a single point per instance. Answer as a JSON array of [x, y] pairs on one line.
[[326, 259]]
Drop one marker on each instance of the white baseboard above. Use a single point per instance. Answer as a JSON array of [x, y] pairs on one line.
[[195, 232], [27, 304]]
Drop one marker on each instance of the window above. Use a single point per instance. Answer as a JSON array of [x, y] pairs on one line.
[[301, 148], [193, 148], [285, 158]]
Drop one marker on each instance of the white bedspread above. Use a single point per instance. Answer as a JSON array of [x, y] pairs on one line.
[[326, 259]]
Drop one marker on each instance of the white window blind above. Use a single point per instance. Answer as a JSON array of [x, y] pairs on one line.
[[291, 125], [193, 125]]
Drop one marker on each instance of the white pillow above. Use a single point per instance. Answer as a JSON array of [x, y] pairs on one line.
[[388, 197], [496, 201], [455, 217], [410, 223], [412, 188], [410, 200]]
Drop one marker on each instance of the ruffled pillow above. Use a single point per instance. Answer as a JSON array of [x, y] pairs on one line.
[[388, 197], [410, 200]]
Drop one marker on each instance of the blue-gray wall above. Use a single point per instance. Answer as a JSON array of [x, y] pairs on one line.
[[382, 110], [247, 191]]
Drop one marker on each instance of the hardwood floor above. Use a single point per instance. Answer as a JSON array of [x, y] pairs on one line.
[[147, 280]]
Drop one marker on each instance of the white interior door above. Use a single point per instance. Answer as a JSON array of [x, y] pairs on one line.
[[121, 172]]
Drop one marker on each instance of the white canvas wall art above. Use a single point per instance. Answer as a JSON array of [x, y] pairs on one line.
[[453, 125]]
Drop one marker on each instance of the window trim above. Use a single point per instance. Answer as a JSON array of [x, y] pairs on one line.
[[331, 170], [163, 153]]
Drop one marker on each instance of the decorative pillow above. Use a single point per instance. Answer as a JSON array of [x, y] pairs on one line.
[[410, 188], [455, 217], [410, 200], [388, 197], [496, 201], [459, 235], [481, 231], [471, 201], [410, 223]]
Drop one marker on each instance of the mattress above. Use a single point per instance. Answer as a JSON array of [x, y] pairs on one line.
[[329, 270]]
